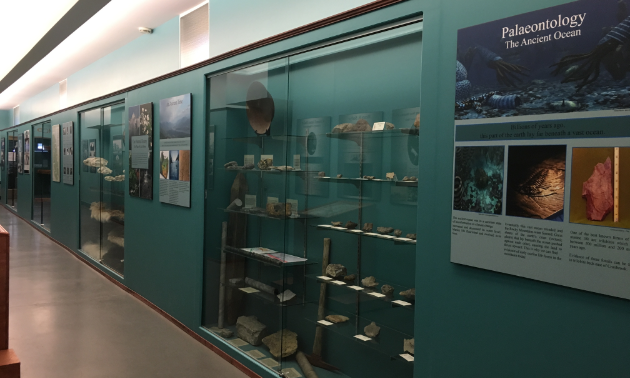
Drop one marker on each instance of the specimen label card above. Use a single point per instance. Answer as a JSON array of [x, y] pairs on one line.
[[377, 295], [362, 338], [67, 131], [56, 162], [378, 126], [533, 170], [407, 357], [175, 150], [357, 288], [250, 201], [402, 303], [324, 278], [248, 160], [325, 322]]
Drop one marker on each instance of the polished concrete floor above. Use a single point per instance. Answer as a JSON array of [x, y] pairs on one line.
[[67, 321]]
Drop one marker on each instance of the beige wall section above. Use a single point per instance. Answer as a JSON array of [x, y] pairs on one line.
[[236, 23]]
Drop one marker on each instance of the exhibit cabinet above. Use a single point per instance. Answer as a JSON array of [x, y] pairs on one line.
[[311, 171], [102, 184], [41, 166], [11, 170]]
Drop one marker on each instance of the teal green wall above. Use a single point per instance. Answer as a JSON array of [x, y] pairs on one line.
[[469, 322]]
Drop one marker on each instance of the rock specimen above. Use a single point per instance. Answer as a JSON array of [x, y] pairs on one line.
[[278, 209], [229, 164], [598, 192], [361, 125], [250, 329], [387, 289], [411, 236], [321, 174], [342, 128], [369, 282], [408, 345], [104, 171], [260, 286], [95, 162], [367, 227], [339, 175], [285, 168], [350, 277], [248, 166], [337, 318], [416, 123], [350, 225], [282, 343], [385, 230], [264, 164], [306, 366], [397, 233], [372, 330], [410, 178], [336, 271], [368, 177], [409, 294], [390, 175], [336, 224], [223, 332], [389, 126]]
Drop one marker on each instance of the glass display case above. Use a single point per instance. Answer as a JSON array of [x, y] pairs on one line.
[[102, 185], [11, 164], [312, 189], [41, 135]]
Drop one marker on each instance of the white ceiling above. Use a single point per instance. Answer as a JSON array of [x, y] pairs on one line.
[[111, 28]]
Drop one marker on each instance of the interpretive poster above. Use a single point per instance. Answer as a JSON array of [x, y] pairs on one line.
[[545, 193], [67, 131], [2, 151], [175, 147], [141, 151], [20, 153], [56, 177], [92, 153], [27, 151]]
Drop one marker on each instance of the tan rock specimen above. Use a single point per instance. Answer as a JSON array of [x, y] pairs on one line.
[[372, 330], [250, 329], [282, 343], [369, 282], [264, 164], [337, 318], [279, 209]]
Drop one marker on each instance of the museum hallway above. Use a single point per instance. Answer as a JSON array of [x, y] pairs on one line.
[[67, 321]]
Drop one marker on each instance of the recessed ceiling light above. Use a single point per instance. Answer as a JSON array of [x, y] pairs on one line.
[[145, 30]]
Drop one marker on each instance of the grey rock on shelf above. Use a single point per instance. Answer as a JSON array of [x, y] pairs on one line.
[[321, 174], [387, 289], [397, 233], [350, 277], [336, 271], [223, 332], [367, 227], [411, 236], [410, 178], [369, 282], [337, 318], [408, 345], [389, 126], [409, 294], [362, 125], [229, 164], [265, 164], [368, 177], [282, 343], [339, 175], [372, 330], [385, 230], [248, 166], [285, 168], [342, 128], [250, 329], [350, 225], [336, 224]]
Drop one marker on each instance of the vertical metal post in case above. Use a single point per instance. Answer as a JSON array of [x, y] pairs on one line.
[[221, 321]]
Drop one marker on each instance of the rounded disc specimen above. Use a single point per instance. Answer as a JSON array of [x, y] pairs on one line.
[[260, 108]]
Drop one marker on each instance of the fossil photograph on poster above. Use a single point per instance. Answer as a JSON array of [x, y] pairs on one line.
[[479, 179], [56, 171], [27, 151], [20, 153], [2, 151], [141, 151], [568, 58], [175, 150], [67, 131]]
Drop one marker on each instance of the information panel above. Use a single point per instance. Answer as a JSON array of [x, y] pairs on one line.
[[67, 130], [56, 177], [175, 147], [141, 151], [541, 183]]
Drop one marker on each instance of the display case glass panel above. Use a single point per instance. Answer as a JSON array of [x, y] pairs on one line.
[[11, 163], [102, 195], [41, 135], [339, 198]]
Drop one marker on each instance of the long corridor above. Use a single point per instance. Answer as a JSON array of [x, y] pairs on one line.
[[67, 321]]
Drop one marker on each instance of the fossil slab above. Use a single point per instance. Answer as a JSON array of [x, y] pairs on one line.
[[250, 329], [598, 192], [337, 318], [336, 271], [282, 343], [369, 282], [372, 330]]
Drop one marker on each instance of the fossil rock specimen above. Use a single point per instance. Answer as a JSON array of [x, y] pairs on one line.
[[369, 282], [265, 164], [248, 166], [95, 162], [387, 289], [389, 126], [416, 123], [409, 294], [115, 178], [350, 277], [410, 178], [368, 177], [279, 209], [321, 174], [260, 108], [250, 329], [367, 227], [282, 343], [285, 168], [598, 192], [336, 224], [230, 164], [408, 345], [337, 318], [104, 171], [362, 125], [342, 128], [350, 225], [411, 236], [339, 175], [336, 271], [390, 175], [223, 332], [372, 330], [397, 233], [385, 230]]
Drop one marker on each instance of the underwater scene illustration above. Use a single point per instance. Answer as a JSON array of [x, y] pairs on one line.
[[478, 183], [567, 58]]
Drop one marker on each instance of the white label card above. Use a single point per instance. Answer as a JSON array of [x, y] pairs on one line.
[[357, 288], [272, 199], [377, 295], [338, 283], [248, 290], [249, 159], [324, 278], [250, 201], [378, 126], [325, 322], [363, 338], [294, 205], [402, 303], [407, 357], [296, 162]]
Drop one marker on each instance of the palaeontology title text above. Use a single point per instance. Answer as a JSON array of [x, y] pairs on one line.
[[572, 22]]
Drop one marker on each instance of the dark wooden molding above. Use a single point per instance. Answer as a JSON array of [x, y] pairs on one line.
[[358, 11], [142, 299]]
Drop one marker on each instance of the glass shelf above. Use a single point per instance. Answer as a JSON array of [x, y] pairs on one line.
[[105, 126], [267, 259], [356, 136], [359, 179], [396, 240], [267, 298], [262, 214], [270, 171]]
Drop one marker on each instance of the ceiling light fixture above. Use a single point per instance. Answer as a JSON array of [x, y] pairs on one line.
[[145, 30]]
